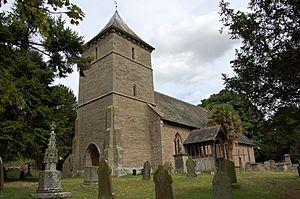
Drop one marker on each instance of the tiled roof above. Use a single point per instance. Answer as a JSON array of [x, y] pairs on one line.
[[117, 23], [203, 135], [242, 139], [180, 112]]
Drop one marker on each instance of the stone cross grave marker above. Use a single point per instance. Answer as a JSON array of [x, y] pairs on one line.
[[50, 178], [104, 182], [163, 183], [228, 167], [1, 179], [222, 186], [191, 167], [146, 170]]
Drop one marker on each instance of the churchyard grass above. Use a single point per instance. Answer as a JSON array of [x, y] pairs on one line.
[[267, 185]]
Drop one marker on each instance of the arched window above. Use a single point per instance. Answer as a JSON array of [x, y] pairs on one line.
[[178, 144], [134, 90], [132, 53]]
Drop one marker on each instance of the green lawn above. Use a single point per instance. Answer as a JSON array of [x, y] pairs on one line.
[[266, 185]]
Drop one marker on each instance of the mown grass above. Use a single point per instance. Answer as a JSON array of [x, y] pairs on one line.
[[252, 185]]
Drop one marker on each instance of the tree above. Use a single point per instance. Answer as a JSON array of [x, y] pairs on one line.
[[281, 135], [251, 118], [267, 64], [28, 101], [224, 115]]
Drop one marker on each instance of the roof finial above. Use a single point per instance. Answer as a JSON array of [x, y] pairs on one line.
[[116, 5]]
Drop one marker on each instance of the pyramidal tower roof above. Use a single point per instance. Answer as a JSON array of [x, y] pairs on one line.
[[117, 24]]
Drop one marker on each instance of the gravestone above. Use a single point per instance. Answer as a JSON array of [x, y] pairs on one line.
[[298, 168], [180, 160], [50, 179], [267, 165], [191, 167], [1, 179], [222, 186], [272, 165], [104, 180], [287, 159], [90, 177], [163, 183], [134, 172], [146, 170], [228, 167]]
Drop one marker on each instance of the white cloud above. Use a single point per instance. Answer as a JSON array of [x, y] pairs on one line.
[[191, 56]]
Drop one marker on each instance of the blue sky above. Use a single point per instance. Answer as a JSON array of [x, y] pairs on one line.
[[190, 54]]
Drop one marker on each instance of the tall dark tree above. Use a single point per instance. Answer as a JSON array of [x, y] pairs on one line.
[[267, 64], [28, 101], [281, 136]]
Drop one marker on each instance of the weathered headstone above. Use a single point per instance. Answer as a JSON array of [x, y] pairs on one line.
[[191, 167], [1, 179], [228, 167], [104, 181], [50, 179], [267, 165], [90, 177], [146, 170], [180, 160], [287, 159], [222, 186], [163, 183], [134, 172]]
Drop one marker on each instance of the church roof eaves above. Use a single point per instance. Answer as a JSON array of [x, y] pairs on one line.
[[242, 139], [180, 112], [117, 24]]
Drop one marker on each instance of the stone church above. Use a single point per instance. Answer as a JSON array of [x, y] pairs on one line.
[[122, 118]]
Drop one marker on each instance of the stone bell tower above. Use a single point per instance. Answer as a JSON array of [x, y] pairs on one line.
[[114, 98]]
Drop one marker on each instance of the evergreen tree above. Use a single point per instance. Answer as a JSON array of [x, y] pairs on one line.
[[28, 101]]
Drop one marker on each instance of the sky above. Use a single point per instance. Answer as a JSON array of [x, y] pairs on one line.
[[190, 53]]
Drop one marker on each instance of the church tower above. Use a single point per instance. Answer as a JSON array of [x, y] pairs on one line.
[[114, 98]]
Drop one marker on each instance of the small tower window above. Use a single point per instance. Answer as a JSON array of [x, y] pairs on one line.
[[132, 53], [134, 89], [96, 53]]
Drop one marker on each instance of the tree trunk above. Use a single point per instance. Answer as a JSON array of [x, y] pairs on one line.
[[229, 149]]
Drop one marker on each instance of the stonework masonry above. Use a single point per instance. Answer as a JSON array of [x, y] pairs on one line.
[[168, 133]]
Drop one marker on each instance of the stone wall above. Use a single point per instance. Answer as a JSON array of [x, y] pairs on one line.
[[128, 72], [132, 121], [155, 140], [168, 133], [91, 130], [98, 79]]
